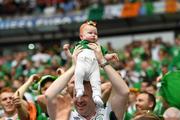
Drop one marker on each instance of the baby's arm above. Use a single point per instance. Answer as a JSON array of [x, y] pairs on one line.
[[112, 56]]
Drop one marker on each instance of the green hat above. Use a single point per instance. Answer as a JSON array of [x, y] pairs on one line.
[[170, 88], [43, 80]]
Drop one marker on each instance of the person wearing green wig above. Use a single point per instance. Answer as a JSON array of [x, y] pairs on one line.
[[169, 88], [42, 85]]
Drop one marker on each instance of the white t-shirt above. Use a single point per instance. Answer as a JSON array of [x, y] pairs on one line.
[[101, 114]]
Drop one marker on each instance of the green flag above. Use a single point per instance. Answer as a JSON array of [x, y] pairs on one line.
[[149, 8], [96, 12]]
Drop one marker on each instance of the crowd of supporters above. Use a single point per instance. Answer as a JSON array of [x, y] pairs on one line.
[[36, 7], [142, 65], [25, 7]]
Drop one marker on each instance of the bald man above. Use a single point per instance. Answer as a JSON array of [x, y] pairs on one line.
[[172, 113]]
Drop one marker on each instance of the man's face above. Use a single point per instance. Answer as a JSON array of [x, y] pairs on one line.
[[151, 90], [89, 33], [132, 97], [45, 87], [144, 86], [142, 102], [85, 105], [6, 99]]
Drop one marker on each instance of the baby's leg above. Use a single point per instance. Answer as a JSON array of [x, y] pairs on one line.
[[96, 86], [79, 77]]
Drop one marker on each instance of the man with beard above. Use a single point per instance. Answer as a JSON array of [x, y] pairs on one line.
[[13, 108], [145, 101]]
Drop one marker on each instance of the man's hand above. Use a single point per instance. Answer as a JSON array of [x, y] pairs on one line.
[[77, 50], [17, 100], [97, 50], [34, 77], [21, 106], [60, 71]]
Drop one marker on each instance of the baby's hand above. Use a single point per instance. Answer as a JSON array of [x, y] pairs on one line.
[[112, 57], [60, 71], [34, 77]]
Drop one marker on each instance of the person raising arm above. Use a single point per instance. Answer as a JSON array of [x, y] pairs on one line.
[[84, 106], [26, 110], [121, 90]]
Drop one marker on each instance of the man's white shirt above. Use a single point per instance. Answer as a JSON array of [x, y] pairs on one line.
[[101, 114]]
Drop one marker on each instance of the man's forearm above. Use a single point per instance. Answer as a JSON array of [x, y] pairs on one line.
[[24, 87], [121, 90], [63, 115], [120, 98], [60, 83], [118, 83]]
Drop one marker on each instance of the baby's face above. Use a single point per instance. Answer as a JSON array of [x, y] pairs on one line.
[[89, 33]]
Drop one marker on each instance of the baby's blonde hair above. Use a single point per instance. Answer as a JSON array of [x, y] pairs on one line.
[[91, 23]]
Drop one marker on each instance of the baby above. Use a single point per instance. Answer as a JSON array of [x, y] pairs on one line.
[[87, 67]]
